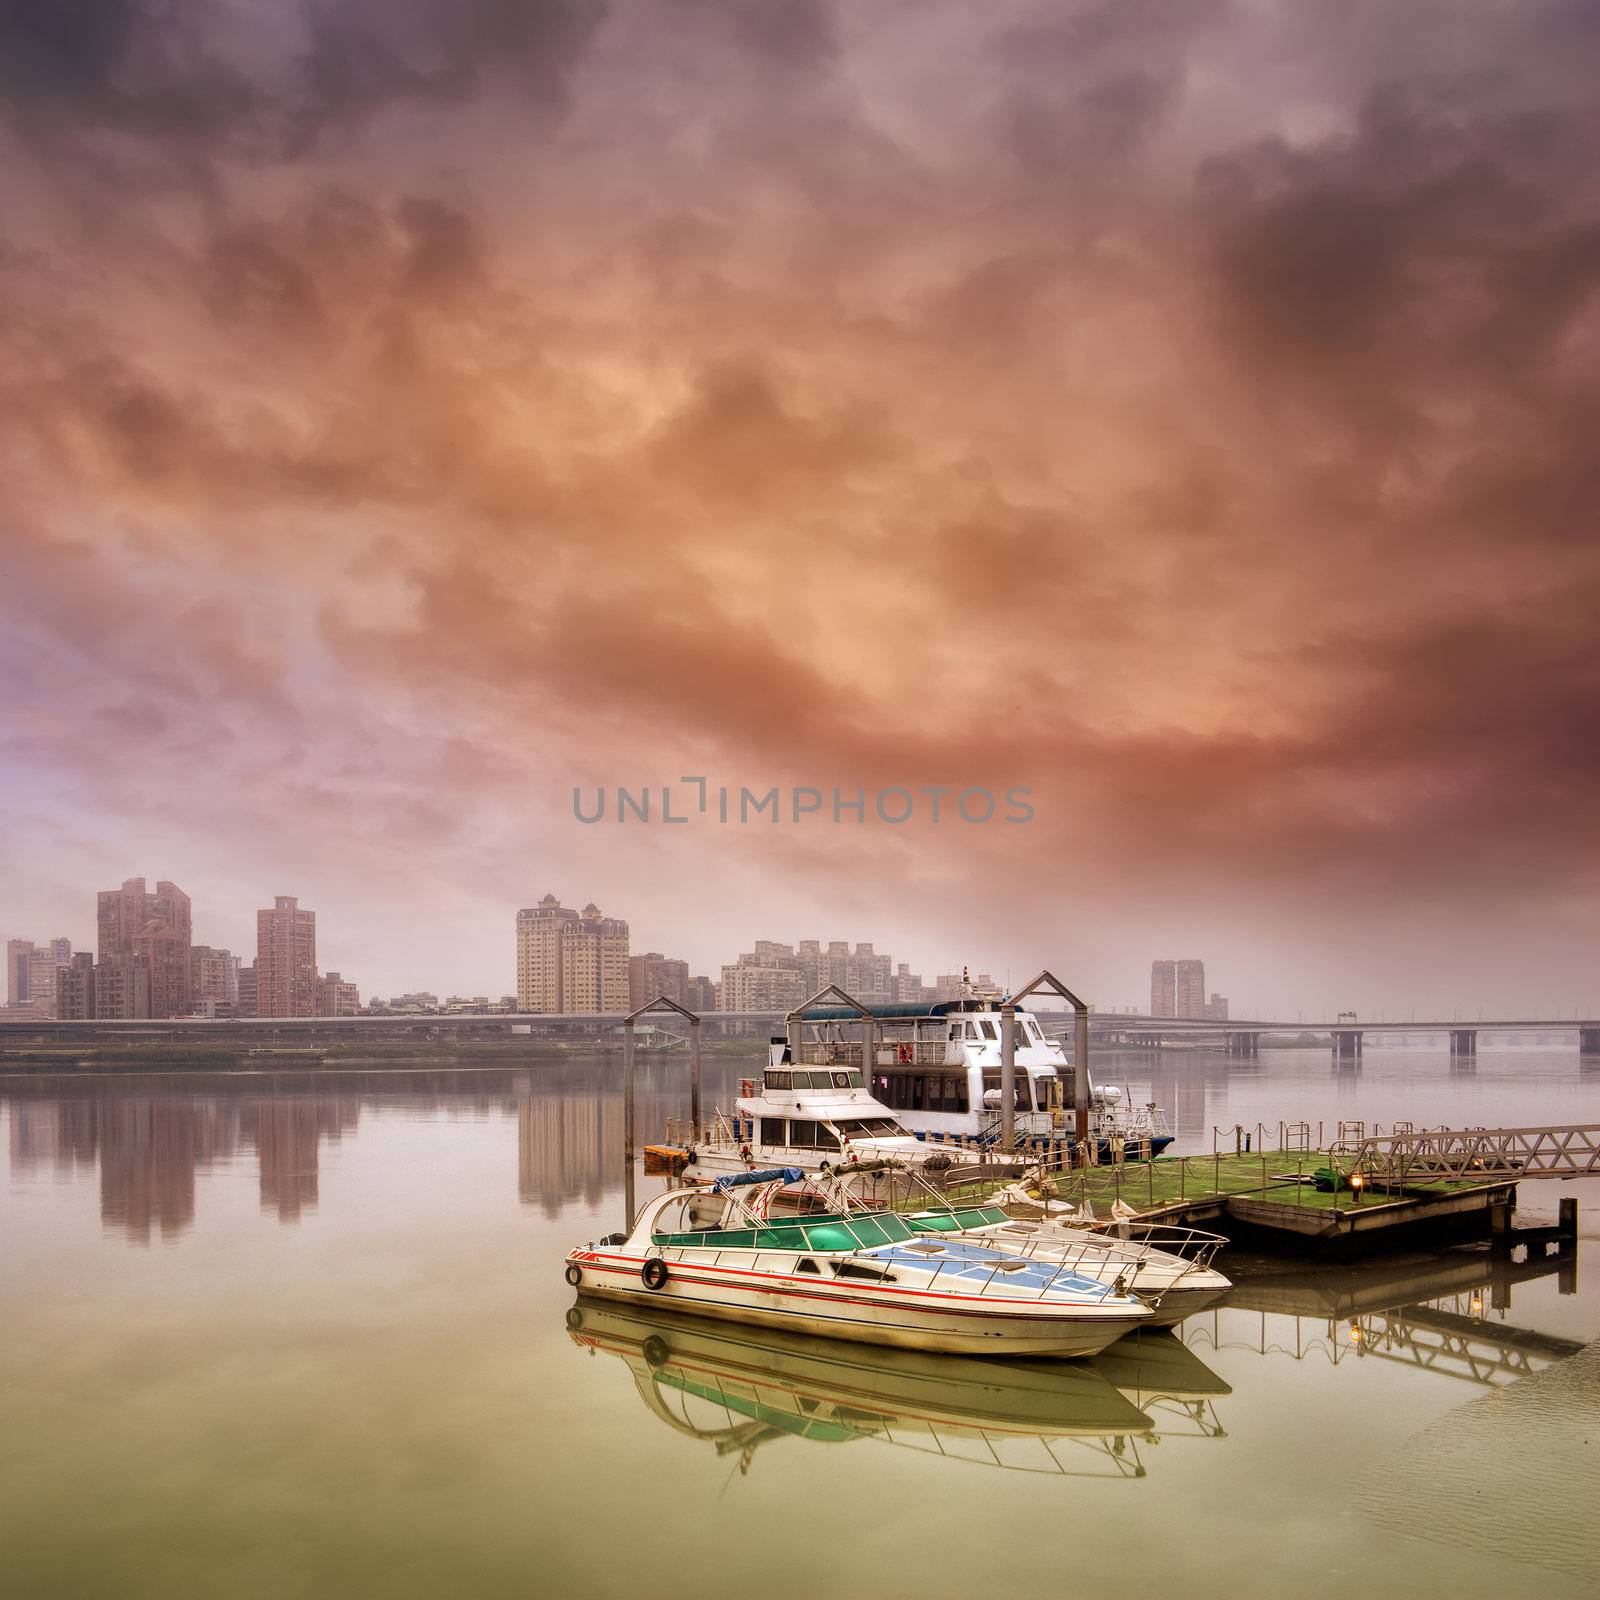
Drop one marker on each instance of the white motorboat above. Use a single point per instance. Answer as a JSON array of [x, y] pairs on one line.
[[872, 1278], [807, 1117], [1170, 1268]]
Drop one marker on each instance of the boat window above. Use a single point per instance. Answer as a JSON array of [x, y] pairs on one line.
[[867, 1127], [1033, 1028], [772, 1131], [972, 1029], [988, 1029], [810, 1136], [955, 1030], [780, 1080], [808, 1265], [991, 1085], [857, 1269]]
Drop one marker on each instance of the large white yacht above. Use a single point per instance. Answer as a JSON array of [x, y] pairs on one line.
[[931, 1088]]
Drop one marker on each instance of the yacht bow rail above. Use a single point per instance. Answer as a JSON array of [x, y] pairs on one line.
[[1474, 1153]]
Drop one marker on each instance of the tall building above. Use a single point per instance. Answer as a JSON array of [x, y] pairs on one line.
[[246, 1001], [702, 994], [44, 962], [653, 975], [17, 953], [155, 929], [122, 988], [31, 973], [336, 997], [75, 989], [571, 961], [1191, 989], [286, 960], [213, 979], [1217, 1008], [1163, 988]]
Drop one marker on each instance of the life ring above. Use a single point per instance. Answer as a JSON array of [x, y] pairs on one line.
[[574, 1274], [906, 1053], [653, 1274]]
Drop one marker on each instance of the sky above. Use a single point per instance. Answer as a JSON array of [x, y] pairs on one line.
[[414, 411]]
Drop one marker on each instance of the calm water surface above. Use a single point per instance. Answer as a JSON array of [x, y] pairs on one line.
[[278, 1335]]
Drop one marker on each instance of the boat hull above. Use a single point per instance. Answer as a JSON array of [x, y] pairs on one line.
[[932, 1322]]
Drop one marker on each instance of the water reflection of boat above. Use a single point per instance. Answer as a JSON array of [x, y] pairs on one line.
[[738, 1388], [1156, 1371]]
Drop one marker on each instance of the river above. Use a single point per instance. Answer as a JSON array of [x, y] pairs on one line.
[[306, 1333]]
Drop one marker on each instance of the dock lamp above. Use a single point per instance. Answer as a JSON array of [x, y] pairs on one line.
[[1356, 1183]]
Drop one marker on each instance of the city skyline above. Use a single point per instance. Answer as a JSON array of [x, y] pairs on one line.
[[1182, 412]]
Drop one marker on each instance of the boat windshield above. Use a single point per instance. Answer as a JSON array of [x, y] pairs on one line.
[[819, 1234], [866, 1127], [956, 1221]]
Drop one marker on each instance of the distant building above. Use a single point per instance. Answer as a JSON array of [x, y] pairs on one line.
[[756, 988], [1191, 989], [17, 952], [1217, 1008], [571, 962], [213, 979], [336, 997], [702, 995], [286, 960], [1178, 989], [653, 975], [31, 974], [246, 1002], [948, 986], [122, 988], [419, 1000], [75, 989], [1163, 988], [155, 929]]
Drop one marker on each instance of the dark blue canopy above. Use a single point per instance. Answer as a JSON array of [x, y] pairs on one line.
[[765, 1175]]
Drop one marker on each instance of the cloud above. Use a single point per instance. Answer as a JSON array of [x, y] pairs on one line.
[[1184, 411]]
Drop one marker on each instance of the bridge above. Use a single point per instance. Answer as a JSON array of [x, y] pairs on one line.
[[1241, 1037], [1347, 1037]]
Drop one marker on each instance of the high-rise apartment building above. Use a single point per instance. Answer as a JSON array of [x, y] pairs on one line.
[[653, 975], [155, 929], [1191, 989], [122, 988], [17, 953], [286, 960], [1163, 988], [75, 989], [702, 995], [1178, 989], [246, 1001], [213, 979], [31, 973], [1217, 1008], [336, 997], [570, 962]]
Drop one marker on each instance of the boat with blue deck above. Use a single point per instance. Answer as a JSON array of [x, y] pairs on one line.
[[875, 1278]]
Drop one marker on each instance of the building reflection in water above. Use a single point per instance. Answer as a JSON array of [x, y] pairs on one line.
[[569, 1130], [151, 1146]]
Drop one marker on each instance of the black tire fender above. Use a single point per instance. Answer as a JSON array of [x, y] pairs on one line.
[[653, 1274], [574, 1274]]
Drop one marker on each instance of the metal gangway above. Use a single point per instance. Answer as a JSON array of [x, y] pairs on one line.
[[1473, 1154]]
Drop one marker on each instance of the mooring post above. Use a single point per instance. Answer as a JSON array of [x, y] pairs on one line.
[[1080, 1078], [1567, 1221], [694, 1078], [627, 1122], [1008, 1077], [1500, 1239]]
